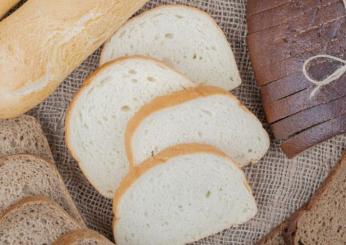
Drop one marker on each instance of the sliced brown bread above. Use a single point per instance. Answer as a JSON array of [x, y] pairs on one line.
[[300, 121], [314, 135], [23, 135], [323, 219], [83, 237], [25, 175], [33, 221], [283, 14], [275, 237]]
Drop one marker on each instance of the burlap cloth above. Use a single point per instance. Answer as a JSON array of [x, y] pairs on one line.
[[280, 185]]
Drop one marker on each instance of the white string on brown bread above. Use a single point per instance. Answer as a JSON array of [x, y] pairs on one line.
[[329, 79]]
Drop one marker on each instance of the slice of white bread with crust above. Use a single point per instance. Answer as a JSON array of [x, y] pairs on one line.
[[183, 194], [34, 220], [25, 175], [83, 237], [98, 115], [186, 38], [205, 114], [23, 135]]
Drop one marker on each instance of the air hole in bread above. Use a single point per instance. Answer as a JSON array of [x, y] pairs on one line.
[[134, 80], [194, 56], [151, 79], [125, 108], [122, 34], [179, 16], [132, 72], [169, 35]]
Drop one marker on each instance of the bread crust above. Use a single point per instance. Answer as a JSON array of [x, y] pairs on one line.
[[314, 135], [35, 200], [73, 237], [66, 34], [6, 5], [86, 83]]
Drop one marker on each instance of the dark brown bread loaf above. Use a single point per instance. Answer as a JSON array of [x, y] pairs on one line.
[[255, 6], [314, 135], [25, 175], [33, 221], [303, 100], [83, 237], [296, 123], [283, 35], [323, 219], [282, 43], [23, 135], [286, 12]]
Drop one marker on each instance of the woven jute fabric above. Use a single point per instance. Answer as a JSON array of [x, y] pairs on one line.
[[280, 185]]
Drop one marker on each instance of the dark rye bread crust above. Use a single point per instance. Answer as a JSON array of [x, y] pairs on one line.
[[314, 135], [255, 6], [278, 50], [296, 123], [285, 233], [301, 100], [282, 43], [331, 229], [281, 15]]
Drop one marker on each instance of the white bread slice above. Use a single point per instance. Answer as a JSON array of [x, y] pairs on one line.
[[186, 38], [183, 194], [204, 114], [98, 115], [25, 175], [83, 237], [33, 221]]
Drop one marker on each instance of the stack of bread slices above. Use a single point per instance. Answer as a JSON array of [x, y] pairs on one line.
[[35, 206], [155, 129]]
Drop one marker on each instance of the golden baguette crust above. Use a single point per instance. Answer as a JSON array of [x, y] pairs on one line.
[[6, 5], [162, 158], [45, 40], [166, 101], [77, 236]]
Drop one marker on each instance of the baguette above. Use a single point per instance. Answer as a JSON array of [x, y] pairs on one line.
[[45, 40], [6, 5]]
